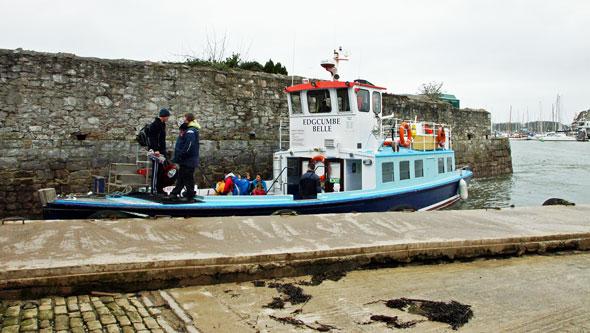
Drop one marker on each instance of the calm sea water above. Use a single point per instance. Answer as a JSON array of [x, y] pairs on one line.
[[541, 170]]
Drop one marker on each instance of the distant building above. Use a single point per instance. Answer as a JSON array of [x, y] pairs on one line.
[[451, 99]]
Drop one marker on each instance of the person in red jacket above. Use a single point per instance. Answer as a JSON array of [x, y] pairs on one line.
[[229, 183], [259, 190]]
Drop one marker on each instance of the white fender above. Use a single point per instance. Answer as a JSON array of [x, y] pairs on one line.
[[463, 193]]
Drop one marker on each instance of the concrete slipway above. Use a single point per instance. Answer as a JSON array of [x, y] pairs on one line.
[[66, 257]]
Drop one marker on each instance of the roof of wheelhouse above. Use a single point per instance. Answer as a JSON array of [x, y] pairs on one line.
[[328, 84]]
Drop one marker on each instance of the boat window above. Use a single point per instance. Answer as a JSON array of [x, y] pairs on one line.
[[296, 103], [343, 101], [319, 101], [387, 172], [418, 168], [449, 164], [441, 165], [362, 97], [376, 102], [404, 170]]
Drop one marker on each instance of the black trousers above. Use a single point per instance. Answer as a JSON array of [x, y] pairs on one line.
[[186, 177]]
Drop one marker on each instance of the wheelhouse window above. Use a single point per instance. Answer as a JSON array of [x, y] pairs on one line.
[[343, 101], [364, 103], [296, 103], [418, 168], [449, 164], [376, 102], [404, 170], [387, 172], [318, 101], [441, 165]]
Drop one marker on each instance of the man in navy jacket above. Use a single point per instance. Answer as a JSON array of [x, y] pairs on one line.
[[186, 155], [157, 143], [309, 183]]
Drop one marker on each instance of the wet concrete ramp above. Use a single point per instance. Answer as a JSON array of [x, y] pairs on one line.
[[70, 257]]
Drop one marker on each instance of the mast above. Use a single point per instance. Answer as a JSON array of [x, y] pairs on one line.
[[510, 122]]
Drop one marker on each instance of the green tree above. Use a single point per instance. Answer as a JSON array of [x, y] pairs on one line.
[[252, 66], [269, 67], [280, 69]]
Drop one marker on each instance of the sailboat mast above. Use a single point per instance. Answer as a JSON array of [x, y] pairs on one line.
[[510, 122]]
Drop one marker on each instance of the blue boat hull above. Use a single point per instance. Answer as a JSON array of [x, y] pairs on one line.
[[431, 198]]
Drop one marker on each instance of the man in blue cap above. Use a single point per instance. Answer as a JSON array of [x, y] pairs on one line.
[[157, 144]]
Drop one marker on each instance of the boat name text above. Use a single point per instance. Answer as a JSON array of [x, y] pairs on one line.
[[321, 124]]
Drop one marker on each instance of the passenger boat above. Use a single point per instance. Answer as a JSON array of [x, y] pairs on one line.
[[367, 162]]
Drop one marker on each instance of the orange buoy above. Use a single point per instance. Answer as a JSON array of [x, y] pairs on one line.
[[440, 137], [320, 158], [403, 129]]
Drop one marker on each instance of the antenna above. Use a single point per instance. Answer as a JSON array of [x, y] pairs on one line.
[[332, 65], [293, 66]]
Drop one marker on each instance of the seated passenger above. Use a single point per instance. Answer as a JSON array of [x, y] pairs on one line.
[[325, 107], [241, 185], [259, 190], [229, 187], [259, 180]]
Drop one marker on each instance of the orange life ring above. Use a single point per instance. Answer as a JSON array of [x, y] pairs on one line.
[[320, 158], [404, 127], [388, 142], [440, 137], [427, 129]]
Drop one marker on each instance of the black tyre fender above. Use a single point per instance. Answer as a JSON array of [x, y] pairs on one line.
[[402, 208], [109, 214], [285, 212]]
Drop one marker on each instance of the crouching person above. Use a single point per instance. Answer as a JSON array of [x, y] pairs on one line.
[[186, 155]]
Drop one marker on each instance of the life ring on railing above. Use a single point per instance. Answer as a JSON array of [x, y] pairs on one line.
[[427, 129], [388, 142], [320, 158], [440, 137], [404, 127]]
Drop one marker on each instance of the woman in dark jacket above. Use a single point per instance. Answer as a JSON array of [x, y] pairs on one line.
[[186, 155]]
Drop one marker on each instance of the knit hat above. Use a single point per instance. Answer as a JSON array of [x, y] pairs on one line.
[[164, 113]]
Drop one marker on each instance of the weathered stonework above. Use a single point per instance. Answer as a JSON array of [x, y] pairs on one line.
[[64, 118]]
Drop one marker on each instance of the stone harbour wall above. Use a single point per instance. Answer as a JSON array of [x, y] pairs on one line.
[[64, 119]]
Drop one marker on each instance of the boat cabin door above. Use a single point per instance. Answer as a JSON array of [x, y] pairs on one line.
[[334, 179], [330, 171]]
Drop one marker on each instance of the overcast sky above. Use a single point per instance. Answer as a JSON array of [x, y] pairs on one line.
[[490, 54]]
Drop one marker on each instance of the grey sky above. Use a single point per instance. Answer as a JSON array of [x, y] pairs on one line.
[[490, 54]]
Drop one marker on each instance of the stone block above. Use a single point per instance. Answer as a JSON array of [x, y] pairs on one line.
[[89, 316], [107, 319], [60, 310], [94, 325], [45, 315], [76, 322], [151, 323], [134, 317], [13, 311], [10, 321], [85, 307], [126, 329], [62, 322], [73, 307], [123, 320], [113, 328], [10, 329]]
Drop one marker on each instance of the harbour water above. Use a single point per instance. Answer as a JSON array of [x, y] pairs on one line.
[[541, 170]]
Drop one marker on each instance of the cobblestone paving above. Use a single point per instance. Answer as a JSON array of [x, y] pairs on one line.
[[144, 312]]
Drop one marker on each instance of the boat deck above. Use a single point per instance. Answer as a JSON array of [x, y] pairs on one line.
[[40, 257]]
